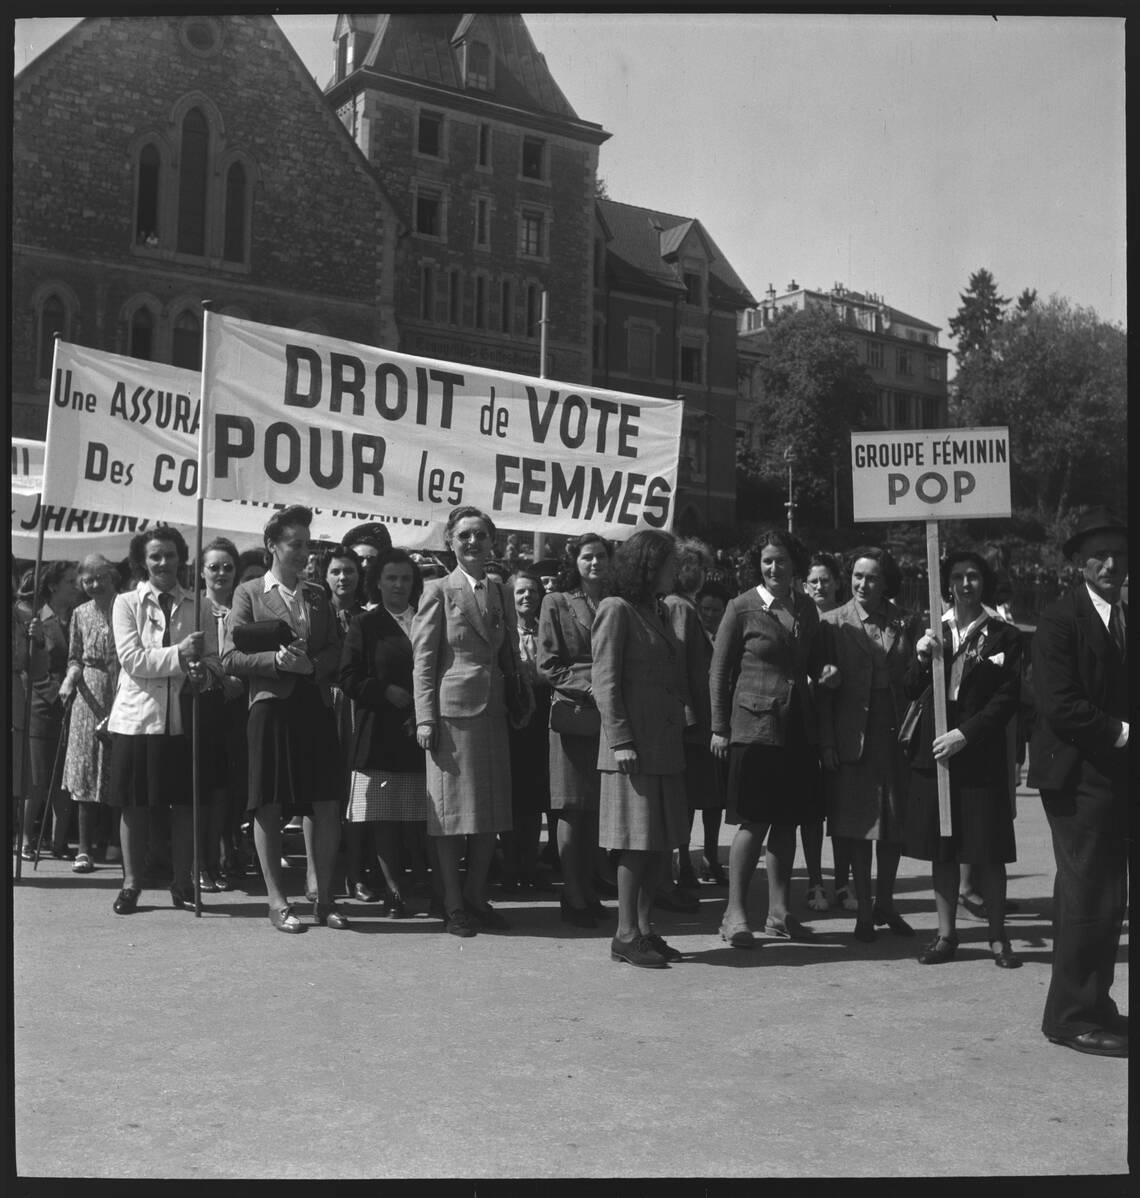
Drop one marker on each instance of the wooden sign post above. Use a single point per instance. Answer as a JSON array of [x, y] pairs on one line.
[[932, 475]]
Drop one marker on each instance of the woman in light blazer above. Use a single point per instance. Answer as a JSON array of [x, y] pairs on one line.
[[294, 756], [464, 662], [871, 640]]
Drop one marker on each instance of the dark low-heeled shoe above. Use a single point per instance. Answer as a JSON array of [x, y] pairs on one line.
[[664, 948], [1004, 957], [893, 920], [579, 917], [328, 915], [284, 919], [938, 951], [183, 898], [127, 903], [864, 930], [397, 908]]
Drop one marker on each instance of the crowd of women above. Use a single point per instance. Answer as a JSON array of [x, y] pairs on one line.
[[425, 725]]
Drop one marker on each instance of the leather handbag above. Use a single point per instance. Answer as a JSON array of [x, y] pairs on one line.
[[263, 636], [569, 718], [908, 729]]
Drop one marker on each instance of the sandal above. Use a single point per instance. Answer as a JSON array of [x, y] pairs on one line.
[[845, 899], [737, 934], [788, 928], [816, 899], [284, 920], [83, 864]]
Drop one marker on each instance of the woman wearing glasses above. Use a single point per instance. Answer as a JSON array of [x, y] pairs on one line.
[[463, 663]]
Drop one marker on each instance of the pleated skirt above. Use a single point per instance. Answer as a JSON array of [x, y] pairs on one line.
[[294, 756]]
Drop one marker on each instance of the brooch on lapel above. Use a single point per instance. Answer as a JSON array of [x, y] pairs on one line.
[[496, 617]]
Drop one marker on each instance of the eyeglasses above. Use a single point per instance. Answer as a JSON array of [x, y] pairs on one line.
[[477, 534], [221, 567]]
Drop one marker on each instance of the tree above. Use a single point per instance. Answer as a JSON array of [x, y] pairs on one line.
[[981, 312], [816, 390], [1057, 376]]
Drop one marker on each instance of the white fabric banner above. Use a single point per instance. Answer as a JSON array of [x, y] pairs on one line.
[[122, 440], [314, 417]]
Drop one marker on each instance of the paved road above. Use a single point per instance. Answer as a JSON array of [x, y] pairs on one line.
[[161, 1045]]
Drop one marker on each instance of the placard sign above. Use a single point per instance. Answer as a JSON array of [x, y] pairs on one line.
[[122, 450], [931, 474], [316, 418]]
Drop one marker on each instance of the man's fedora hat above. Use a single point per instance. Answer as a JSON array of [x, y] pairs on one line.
[[1095, 519]]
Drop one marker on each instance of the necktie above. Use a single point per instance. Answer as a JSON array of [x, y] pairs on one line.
[[166, 602], [481, 597], [1116, 630]]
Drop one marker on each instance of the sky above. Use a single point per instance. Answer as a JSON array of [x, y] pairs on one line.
[[892, 154]]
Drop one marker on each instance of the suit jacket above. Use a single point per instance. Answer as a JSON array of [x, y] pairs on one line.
[[49, 665], [565, 655], [455, 650], [843, 712], [758, 665], [687, 628], [377, 654], [252, 602], [640, 689], [989, 693], [1080, 685]]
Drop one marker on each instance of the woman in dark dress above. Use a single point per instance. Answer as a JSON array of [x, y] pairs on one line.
[[294, 757], [565, 661], [983, 685], [388, 793], [530, 748]]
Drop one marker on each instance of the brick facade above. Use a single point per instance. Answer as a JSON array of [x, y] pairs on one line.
[[319, 234]]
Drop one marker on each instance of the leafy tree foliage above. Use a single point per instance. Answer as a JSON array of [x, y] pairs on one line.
[[981, 312], [816, 390], [1057, 375]]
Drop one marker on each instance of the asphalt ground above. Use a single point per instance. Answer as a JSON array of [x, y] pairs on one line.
[[161, 1045]]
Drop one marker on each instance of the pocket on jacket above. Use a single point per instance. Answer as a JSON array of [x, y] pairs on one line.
[[759, 717]]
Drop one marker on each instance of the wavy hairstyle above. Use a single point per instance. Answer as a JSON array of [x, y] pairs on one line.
[[638, 562], [988, 573], [136, 555], [694, 561], [778, 538], [568, 577]]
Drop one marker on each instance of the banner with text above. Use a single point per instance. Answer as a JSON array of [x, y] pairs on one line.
[[931, 474], [318, 418], [122, 440]]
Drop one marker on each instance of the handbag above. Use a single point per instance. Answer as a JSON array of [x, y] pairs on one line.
[[262, 636], [908, 729], [569, 718]]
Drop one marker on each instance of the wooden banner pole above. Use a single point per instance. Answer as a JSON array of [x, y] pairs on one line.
[[938, 663]]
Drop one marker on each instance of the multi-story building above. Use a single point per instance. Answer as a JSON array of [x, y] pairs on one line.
[[461, 118], [665, 317], [162, 160], [901, 353]]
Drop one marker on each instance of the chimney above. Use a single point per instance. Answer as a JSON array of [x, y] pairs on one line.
[[793, 286]]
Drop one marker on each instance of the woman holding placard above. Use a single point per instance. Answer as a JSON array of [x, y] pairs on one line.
[[983, 686], [871, 640]]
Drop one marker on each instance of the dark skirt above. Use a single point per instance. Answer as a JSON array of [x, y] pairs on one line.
[[150, 771], [981, 819], [294, 755], [575, 784], [530, 768], [222, 741], [780, 785], [704, 779]]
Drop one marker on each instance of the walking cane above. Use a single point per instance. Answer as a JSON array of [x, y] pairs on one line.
[[56, 774]]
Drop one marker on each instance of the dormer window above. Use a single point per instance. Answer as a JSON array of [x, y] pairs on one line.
[[477, 66]]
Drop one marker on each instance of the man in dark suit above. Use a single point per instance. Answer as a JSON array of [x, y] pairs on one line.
[[1078, 758]]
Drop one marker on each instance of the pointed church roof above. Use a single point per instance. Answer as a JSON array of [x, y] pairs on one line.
[[427, 48]]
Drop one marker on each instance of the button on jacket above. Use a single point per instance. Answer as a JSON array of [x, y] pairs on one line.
[[150, 674]]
